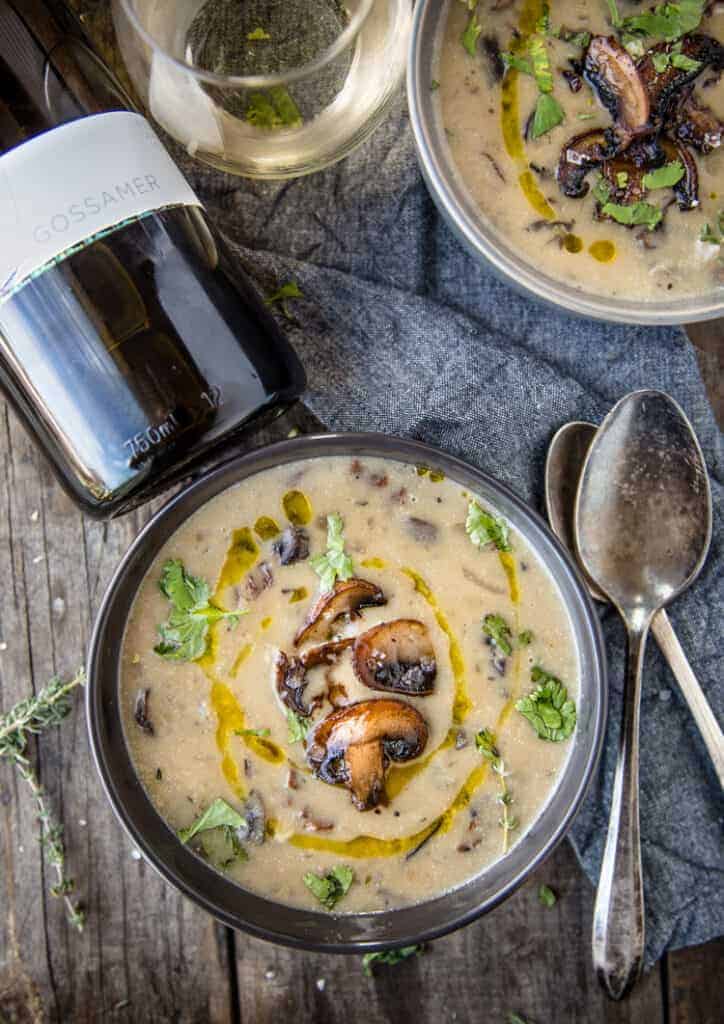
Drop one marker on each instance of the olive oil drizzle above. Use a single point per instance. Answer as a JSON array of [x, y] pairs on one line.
[[511, 571], [240, 659], [400, 775], [240, 558], [461, 701], [297, 508], [510, 114], [373, 563]]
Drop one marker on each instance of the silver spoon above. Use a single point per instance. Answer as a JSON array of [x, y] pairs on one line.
[[566, 453], [642, 527]]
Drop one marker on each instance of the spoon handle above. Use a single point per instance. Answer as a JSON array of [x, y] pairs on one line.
[[693, 694], [618, 915]]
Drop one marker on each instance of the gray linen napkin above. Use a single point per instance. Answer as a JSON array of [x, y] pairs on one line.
[[402, 332]]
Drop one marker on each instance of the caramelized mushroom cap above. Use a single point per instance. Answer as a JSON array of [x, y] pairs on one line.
[[580, 155], [686, 189], [665, 88], [641, 156], [397, 657], [615, 78], [697, 126], [291, 679], [347, 598], [352, 746], [291, 673]]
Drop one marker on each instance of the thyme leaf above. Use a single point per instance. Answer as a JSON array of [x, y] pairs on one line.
[[487, 745]]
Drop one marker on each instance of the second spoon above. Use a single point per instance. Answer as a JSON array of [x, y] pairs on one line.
[[566, 455]]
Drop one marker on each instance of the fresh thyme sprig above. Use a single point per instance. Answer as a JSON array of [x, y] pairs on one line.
[[485, 742], [31, 717]]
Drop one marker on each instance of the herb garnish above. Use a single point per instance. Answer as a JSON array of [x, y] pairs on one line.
[[31, 717], [335, 563], [675, 58], [484, 528], [389, 956], [566, 35], [272, 109], [631, 214], [289, 290], [261, 733], [526, 637], [486, 744], [330, 888], [709, 234], [298, 727], [669, 20], [219, 814], [548, 112], [548, 708], [499, 632], [184, 636], [473, 29], [664, 177], [257, 34], [546, 896]]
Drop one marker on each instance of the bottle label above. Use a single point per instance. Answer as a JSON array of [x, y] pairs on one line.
[[61, 189]]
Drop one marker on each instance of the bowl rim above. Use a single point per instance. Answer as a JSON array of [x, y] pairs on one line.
[[460, 212], [179, 866]]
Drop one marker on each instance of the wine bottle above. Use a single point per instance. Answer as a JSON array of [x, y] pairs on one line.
[[131, 345]]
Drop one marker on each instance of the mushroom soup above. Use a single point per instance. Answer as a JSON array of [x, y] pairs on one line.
[[593, 148], [354, 687]]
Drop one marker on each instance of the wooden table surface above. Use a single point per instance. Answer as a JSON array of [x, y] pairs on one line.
[[147, 954]]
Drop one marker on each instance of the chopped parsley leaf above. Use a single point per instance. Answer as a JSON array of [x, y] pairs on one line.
[[472, 32], [548, 708], [546, 896], [184, 635], [484, 528], [669, 20], [495, 627], [664, 177], [219, 814], [298, 727], [335, 563], [389, 956], [633, 214], [330, 888]]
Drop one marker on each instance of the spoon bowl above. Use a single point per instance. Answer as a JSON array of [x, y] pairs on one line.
[[566, 455], [642, 528], [643, 508]]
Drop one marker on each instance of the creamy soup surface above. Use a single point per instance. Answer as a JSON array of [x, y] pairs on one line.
[[512, 176], [405, 534]]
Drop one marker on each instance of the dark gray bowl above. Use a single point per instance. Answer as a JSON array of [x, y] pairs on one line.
[[226, 900]]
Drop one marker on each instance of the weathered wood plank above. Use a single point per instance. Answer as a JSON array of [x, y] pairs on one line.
[[694, 984], [522, 958], [146, 953]]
